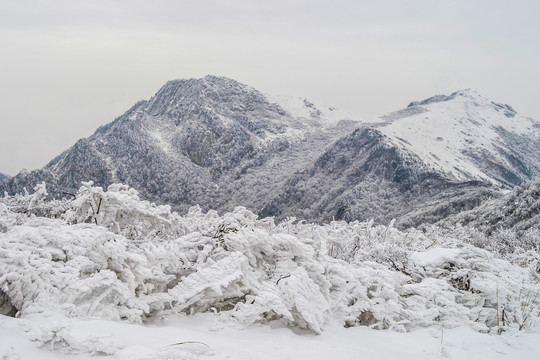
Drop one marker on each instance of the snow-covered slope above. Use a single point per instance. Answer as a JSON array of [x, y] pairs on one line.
[[220, 144], [328, 115], [363, 176], [468, 137]]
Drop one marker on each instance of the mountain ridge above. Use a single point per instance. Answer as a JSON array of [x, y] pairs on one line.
[[219, 143], [480, 139]]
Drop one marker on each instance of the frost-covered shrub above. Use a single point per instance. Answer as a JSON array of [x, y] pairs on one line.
[[8, 219], [140, 261], [120, 210], [57, 335], [519, 248], [35, 203]]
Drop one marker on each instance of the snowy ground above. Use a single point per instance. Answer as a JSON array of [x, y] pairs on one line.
[[265, 342]]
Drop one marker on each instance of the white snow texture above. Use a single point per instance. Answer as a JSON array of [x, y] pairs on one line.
[[109, 255]]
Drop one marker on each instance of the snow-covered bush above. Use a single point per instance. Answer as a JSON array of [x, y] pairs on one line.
[[35, 203], [58, 335], [113, 256], [120, 210]]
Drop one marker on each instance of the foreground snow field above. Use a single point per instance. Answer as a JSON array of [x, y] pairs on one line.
[[109, 274], [201, 338]]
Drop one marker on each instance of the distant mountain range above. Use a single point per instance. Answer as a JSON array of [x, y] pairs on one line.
[[220, 144]]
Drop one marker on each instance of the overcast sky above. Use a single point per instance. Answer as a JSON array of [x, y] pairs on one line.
[[69, 66]]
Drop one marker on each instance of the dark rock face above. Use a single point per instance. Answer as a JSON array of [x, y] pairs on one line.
[[220, 144]]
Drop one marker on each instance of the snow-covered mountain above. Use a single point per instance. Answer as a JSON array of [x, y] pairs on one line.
[[439, 156], [220, 144], [467, 136]]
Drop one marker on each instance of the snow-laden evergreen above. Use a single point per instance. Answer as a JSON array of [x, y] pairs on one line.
[[109, 255]]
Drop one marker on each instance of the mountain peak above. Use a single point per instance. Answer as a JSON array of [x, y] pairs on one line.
[[465, 93], [468, 136], [186, 95], [204, 82], [470, 93]]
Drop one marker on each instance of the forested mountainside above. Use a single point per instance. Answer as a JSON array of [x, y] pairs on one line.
[[517, 211], [221, 144]]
